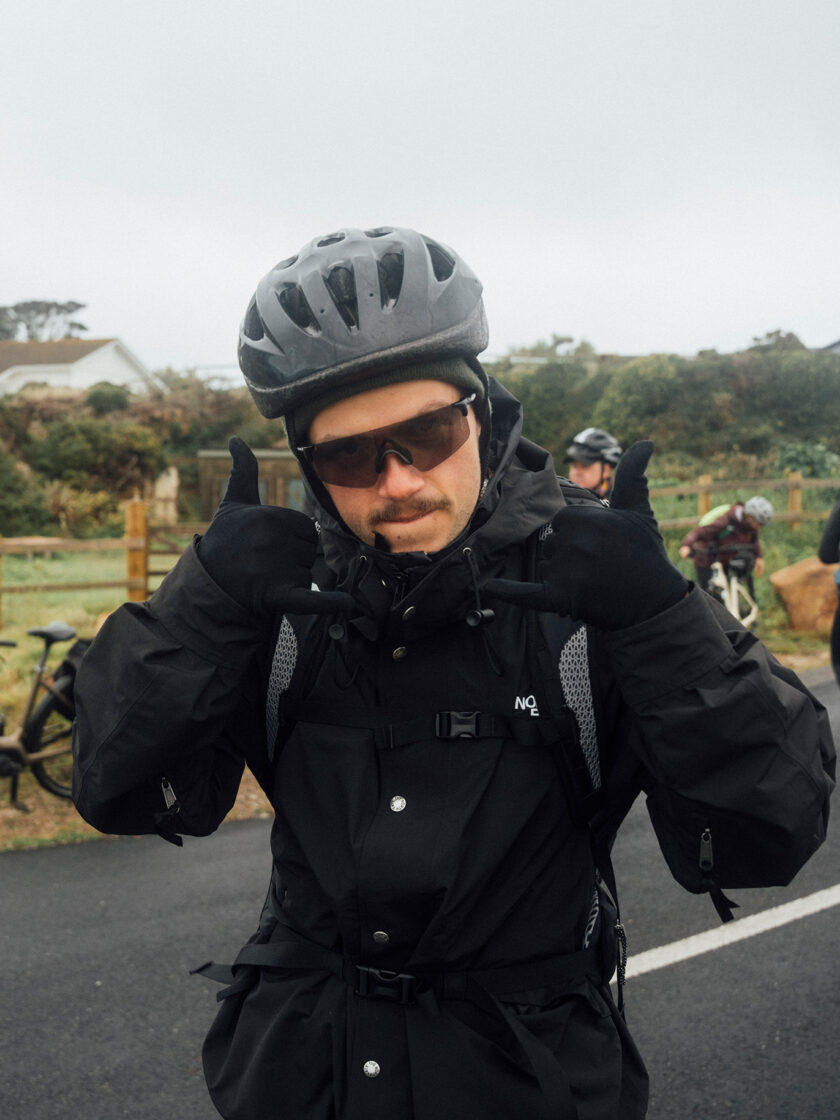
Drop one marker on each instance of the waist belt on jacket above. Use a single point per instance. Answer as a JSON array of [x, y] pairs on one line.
[[483, 987]]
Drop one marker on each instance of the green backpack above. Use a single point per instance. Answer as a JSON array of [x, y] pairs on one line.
[[714, 514]]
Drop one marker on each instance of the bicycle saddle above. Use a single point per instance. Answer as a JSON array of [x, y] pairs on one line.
[[53, 632]]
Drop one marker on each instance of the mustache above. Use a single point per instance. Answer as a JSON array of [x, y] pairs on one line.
[[394, 511]]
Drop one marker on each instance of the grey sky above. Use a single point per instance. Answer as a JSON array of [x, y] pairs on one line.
[[655, 176]]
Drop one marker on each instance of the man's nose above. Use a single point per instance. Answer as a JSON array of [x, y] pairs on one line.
[[397, 478]]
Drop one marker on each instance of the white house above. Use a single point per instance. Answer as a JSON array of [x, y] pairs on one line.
[[74, 363]]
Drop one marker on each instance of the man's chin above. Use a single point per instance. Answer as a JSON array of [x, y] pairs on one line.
[[403, 534], [426, 534]]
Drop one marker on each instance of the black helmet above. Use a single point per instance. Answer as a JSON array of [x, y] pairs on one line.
[[353, 302], [594, 445]]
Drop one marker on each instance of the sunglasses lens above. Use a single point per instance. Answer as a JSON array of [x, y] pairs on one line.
[[423, 441], [433, 437], [346, 462]]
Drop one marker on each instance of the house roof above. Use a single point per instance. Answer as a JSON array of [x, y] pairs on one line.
[[65, 351]]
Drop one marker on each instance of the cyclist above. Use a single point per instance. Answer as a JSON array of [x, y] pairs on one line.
[[592, 455], [723, 537], [433, 945]]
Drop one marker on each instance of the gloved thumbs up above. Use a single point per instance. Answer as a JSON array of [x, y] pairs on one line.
[[606, 566], [630, 486], [262, 556], [243, 484]]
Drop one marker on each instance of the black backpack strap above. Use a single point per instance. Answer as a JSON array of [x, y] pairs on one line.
[[285, 673], [290, 673], [390, 731], [561, 649], [574, 495]]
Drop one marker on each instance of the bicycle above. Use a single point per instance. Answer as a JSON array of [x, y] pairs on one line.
[[731, 584], [41, 742]]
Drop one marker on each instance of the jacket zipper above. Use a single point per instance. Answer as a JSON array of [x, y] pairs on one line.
[[168, 794]]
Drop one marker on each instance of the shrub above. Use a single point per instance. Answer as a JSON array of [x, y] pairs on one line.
[[23, 511], [815, 460], [98, 455], [82, 513], [104, 397]]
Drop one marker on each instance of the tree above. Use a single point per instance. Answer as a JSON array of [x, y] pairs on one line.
[[40, 320], [778, 340], [8, 323], [637, 400]]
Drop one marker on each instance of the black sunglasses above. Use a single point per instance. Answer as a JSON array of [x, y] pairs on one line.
[[422, 441]]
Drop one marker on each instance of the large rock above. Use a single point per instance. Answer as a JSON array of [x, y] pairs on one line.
[[809, 594]]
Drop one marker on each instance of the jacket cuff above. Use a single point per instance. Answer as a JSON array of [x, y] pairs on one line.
[[669, 651], [202, 617]]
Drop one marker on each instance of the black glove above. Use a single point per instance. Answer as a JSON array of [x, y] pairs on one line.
[[604, 566], [262, 556]]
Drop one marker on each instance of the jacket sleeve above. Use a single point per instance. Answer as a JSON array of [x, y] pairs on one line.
[[737, 755], [166, 711]]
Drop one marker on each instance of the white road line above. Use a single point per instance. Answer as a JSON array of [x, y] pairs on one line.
[[734, 931]]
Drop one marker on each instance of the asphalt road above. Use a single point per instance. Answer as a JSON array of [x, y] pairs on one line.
[[748, 1031], [100, 1020]]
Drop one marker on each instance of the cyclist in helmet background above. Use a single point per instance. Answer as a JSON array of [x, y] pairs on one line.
[[724, 535], [592, 456], [409, 676]]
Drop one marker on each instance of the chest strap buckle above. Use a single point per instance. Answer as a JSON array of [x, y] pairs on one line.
[[381, 983], [457, 725]]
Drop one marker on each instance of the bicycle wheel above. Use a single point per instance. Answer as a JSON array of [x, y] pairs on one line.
[[51, 726]]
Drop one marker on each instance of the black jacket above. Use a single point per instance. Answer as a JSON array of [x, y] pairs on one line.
[[829, 549], [463, 865]]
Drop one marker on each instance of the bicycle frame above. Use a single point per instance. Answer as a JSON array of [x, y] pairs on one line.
[[31, 731], [729, 585], [15, 740], [734, 594]]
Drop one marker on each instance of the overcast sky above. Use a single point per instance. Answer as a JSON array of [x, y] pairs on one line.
[[662, 175]]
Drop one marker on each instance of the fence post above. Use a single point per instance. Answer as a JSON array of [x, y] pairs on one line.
[[795, 497], [137, 559], [704, 497]]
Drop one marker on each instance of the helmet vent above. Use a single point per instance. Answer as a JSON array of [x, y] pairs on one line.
[[443, 264], [391, 267], [330, 239], [294, 303], [341, 284], [380, 231], [252, 327]]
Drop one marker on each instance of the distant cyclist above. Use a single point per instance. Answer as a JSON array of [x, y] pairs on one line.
[[591, 455], [723, 537]]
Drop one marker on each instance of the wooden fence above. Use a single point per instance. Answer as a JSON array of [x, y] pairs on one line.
[[151, 550], [795, 485], [135, 544]]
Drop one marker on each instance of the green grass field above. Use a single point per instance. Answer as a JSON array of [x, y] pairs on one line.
[[80, 609]]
